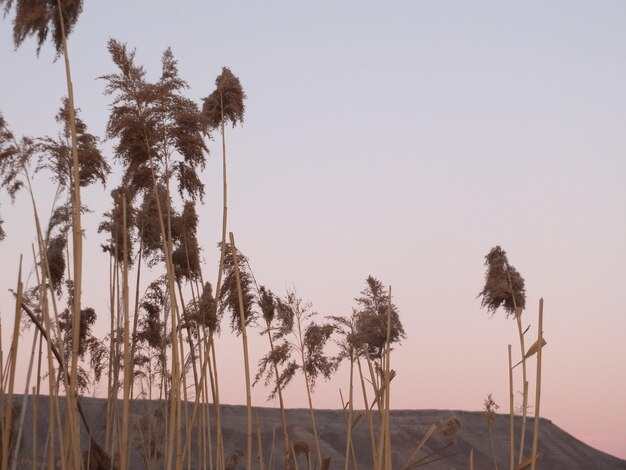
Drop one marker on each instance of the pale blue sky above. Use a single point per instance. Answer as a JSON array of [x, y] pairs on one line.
[[402, 140]]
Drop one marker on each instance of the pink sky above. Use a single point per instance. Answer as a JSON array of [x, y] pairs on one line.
[[400, 141]]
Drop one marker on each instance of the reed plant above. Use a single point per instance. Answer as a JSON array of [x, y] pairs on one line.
[[504, 288]]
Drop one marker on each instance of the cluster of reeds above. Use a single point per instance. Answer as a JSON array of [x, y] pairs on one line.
[[161, 342]]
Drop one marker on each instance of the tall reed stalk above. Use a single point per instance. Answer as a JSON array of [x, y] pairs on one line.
[[538, 388], [127, 347], [24, 405], [77, 253], [511, 414], [7, 424], [518, 319], [244, 339], [350, 410]]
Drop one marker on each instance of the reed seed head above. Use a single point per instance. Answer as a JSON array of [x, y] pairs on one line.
[[504, 285]]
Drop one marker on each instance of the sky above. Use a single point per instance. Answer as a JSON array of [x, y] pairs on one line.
[[401, 140]]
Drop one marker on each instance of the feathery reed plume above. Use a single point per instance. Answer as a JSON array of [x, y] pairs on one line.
[[186, 254], [225, 103], [14, 159], [7, 150], [156, 127], [152, 335], [55, 154], [371, 320], [87, 341], [38, 18], [229, 294], [504, 286], [112, 224]]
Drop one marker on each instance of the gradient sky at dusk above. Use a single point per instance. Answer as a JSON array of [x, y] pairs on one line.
[[401, 140]]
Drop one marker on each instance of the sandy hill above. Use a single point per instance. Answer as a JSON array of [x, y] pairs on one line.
[[559, 449]]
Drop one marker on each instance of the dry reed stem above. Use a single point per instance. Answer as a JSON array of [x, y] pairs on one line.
[[127, 352], [222, 252], [527, 462], [511, 415], [259, 443], [471, 459], [350, 424], [533, 350], [53, 401], [77, 254], [35, 420], [271, 464], [368, 414], [56, 354], [294, 457], [24, 401], [422, 443], [109, 412], [244, 338], [174, 393], [209, 359], [188, 423], [220, 448], [388, 462], [518, 318], [350, 410], [135, 315], [45, 273], [537, 388], [8, 403], [384, 438]]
